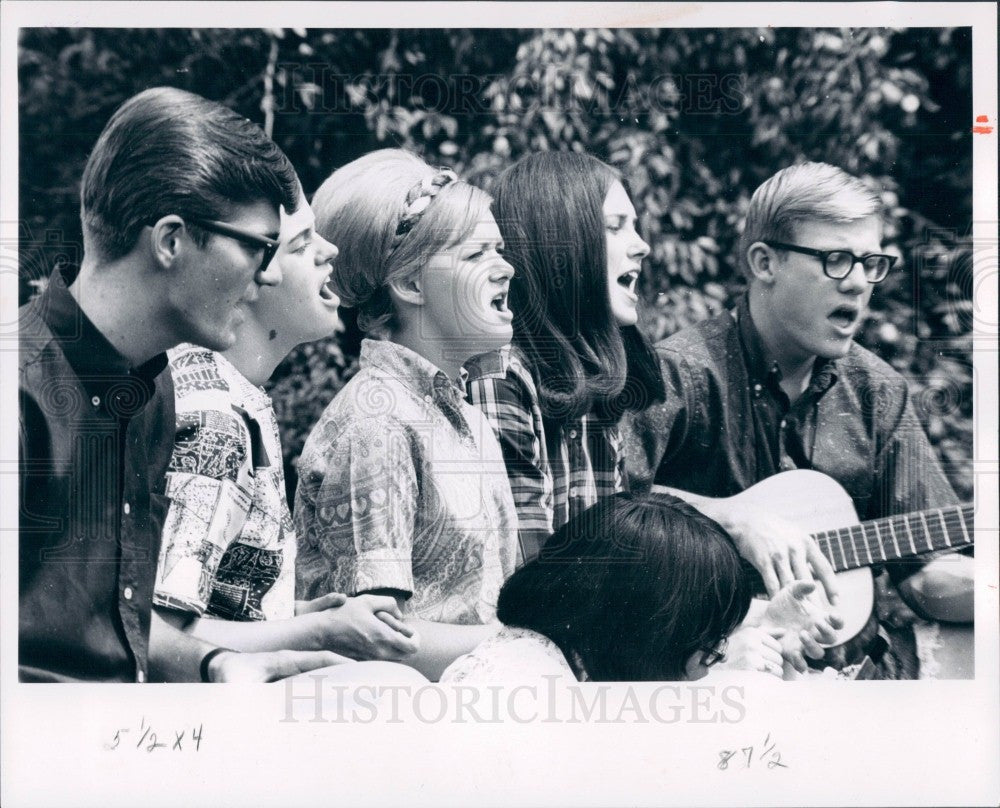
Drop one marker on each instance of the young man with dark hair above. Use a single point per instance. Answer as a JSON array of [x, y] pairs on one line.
[[779, 383], [180, 200]]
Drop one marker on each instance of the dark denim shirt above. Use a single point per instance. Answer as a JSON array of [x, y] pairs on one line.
[[726, 423], [89, 525]]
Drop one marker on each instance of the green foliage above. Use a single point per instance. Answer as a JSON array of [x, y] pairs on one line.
[[694, 118]]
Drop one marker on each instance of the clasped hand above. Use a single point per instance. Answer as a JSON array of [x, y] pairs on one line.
[[361, 627]]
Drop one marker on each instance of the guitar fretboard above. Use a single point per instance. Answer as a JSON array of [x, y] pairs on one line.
[[912, 534]]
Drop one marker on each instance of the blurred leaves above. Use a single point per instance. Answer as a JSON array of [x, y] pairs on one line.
[[695, 119]]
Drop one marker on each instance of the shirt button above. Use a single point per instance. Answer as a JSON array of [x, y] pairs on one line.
[[96, 401], [127, 508], [128, 593], [784, 423], [428, 399], [140, 677], [572, 433], [757, 389]]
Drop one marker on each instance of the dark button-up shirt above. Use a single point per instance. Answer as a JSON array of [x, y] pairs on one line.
[[726, 423], [89, 526]]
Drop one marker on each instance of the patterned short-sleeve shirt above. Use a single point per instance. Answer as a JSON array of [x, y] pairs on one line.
[[513, 655], [228, 546], [402, 487]]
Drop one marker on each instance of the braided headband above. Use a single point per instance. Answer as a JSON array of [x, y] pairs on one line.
[[420, 196]]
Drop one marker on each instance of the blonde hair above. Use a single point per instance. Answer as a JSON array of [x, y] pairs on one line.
[[359, 208], [807, 191]]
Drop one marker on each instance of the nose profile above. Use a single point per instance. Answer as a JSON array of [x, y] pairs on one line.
[[638, 248], [502, 272], [326, 251]]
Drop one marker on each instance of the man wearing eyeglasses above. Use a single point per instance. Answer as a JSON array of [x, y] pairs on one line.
[[779, 383], [180, 200]]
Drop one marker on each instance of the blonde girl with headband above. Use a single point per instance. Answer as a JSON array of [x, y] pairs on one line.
[[402, 486]]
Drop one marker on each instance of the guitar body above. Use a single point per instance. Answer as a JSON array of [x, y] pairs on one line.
[[817, 503], [814, 502]]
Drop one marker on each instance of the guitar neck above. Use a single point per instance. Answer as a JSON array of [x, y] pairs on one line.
[[896, 537]]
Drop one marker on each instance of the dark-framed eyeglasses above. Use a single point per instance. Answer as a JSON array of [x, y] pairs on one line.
[[714, 656], [837, 264], [268, 245]]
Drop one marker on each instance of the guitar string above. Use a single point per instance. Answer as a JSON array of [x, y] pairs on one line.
[[936, 534]]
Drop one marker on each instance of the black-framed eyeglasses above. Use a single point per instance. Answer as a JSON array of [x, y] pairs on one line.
[[268, 245], [713, 656], [837, 264]]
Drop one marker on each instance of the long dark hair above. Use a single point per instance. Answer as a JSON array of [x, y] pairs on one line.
[[549, 207], [632, 587]]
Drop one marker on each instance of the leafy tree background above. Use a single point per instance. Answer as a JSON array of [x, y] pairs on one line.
[[694, 118]]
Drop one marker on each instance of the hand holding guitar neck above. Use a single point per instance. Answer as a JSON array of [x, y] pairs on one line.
[[813, 504]]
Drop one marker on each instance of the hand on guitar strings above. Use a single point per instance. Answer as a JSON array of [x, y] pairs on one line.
[[777, 549], [803, 623]]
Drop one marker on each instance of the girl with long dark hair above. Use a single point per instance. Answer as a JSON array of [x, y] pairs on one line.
[[577, 360]]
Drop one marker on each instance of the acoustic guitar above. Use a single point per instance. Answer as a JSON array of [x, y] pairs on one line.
[[819, 505]]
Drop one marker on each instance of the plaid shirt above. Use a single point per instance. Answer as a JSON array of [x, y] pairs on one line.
[[556, 470]]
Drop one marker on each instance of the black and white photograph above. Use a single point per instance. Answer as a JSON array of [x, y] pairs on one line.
[[499, 403]]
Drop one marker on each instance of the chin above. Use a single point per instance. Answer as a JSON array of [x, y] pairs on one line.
[[625, 316], [492, 342], [835, 350], [216, 342]]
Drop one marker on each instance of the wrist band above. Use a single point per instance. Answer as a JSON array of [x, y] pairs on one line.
[[206, 661]]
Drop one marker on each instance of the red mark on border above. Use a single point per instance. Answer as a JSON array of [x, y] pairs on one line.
[[982, 130]]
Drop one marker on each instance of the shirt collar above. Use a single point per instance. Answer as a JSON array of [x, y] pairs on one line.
[[418, 373], [490, 365], [86, 349], [761, 370]]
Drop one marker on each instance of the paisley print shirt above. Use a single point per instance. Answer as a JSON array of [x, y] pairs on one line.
[[402, 486]]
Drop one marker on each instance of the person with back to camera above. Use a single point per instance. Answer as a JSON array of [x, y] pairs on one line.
[[636, 588]]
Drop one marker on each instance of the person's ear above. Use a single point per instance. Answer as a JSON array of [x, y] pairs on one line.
[[761, 260], [407, 290], [166, 240]]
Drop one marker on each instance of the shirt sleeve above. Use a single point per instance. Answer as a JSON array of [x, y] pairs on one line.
[[651, 437], [364, 513], [208, 485], [507, 404]]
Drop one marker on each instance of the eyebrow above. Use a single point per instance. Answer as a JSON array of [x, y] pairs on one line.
[[303, 232]]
